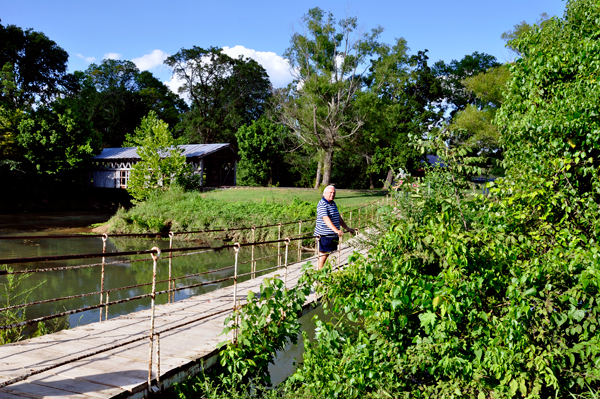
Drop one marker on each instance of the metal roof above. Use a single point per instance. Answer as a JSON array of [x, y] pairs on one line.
[[189, 150]]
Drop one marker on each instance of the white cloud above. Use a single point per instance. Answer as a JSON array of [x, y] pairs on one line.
[[149, 61], [111, 56], [87, 59], [174, 84], [277, 67]]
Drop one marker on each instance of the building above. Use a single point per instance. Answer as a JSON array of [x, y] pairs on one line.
[[216, 163]]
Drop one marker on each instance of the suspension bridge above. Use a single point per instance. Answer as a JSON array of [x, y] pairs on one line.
[[144, 352]]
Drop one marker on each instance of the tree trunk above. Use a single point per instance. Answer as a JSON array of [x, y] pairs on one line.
[[327, 166], [319, 168], [388, 179], [371, 184]]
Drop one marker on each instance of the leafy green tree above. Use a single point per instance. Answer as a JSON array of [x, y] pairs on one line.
[[55, 139], [451, 75], [474, 126], [33, 68], [9, 130], [261, 148], [115, 96], [399, 104], [225, 93], [319, 106], [161, 161], [520, 29], [551, 110]]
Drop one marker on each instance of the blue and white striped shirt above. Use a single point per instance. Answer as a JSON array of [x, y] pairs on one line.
[[325, 208]]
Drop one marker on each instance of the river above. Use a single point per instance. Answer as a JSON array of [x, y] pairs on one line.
[[55, 284]]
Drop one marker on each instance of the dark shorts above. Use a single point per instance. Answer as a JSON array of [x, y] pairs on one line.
[[329, 244]]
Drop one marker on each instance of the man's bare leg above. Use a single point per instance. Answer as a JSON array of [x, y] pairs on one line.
[[322, 259]]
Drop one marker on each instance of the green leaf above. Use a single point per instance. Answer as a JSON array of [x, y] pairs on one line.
[[427, 318]]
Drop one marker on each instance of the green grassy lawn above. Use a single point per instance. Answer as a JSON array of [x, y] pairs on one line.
[[180, 211], [344, 198]]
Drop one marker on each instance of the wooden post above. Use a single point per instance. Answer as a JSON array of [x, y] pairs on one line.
[[235, 273], [252, 262], [339, 251], [171, 295], [104, 238], [287, 245], [279, 246], [299, 241], [153, 301]]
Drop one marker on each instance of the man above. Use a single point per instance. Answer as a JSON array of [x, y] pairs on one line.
[[328, 224]]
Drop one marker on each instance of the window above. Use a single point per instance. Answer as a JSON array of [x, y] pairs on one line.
[[124, 176]]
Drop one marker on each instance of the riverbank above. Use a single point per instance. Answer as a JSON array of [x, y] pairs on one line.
[[51, 222], [178, 211]]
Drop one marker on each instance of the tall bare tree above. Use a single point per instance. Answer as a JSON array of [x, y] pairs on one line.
[[328, 60]]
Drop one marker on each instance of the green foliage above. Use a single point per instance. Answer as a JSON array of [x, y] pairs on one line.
[[320, 107], [9, 130], [520, 29], [262, 327], [474, 126], [453, 74], [114, 95], [178, 210], [225, 93], [12, 293], [261, 147], [401, 89], [55, 139], [33, 68], [161, 161]]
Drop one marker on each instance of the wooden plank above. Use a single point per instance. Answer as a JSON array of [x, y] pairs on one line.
[[73, 385], [35, 391]]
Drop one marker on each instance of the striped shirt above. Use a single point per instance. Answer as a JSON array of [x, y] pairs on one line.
[[326, 208]]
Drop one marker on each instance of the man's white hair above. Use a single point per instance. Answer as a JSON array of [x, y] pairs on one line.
[[328, 187]]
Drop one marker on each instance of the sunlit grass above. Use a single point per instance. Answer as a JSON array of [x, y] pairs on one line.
[[344, 198]]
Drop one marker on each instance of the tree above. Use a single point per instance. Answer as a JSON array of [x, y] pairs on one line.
[[399, 106], [452, 75], [56, 139], [33, 68], [161, 161], [474, 126], [551, 112], [520, 29], [261, 148], [320, 105], [115, 96], [225, 93]]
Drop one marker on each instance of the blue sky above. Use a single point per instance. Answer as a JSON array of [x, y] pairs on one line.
[[147, 31]]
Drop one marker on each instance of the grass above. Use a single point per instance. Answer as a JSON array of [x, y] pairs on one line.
[[344, 198], [179, 211]]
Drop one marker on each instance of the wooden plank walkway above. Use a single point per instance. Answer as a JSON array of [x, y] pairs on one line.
[[123, 372]]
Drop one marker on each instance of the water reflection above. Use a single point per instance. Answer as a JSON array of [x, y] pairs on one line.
[[130, 271]]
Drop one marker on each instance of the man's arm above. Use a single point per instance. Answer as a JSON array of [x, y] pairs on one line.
[[330, 224]]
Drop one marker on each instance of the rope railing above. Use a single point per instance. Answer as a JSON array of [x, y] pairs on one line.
[[153, 251], [172, 288], [153, 294]]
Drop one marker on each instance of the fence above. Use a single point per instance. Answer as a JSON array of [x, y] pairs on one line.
[[364, 215]]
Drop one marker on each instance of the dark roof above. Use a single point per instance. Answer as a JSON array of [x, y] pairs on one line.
[[189, 150]]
